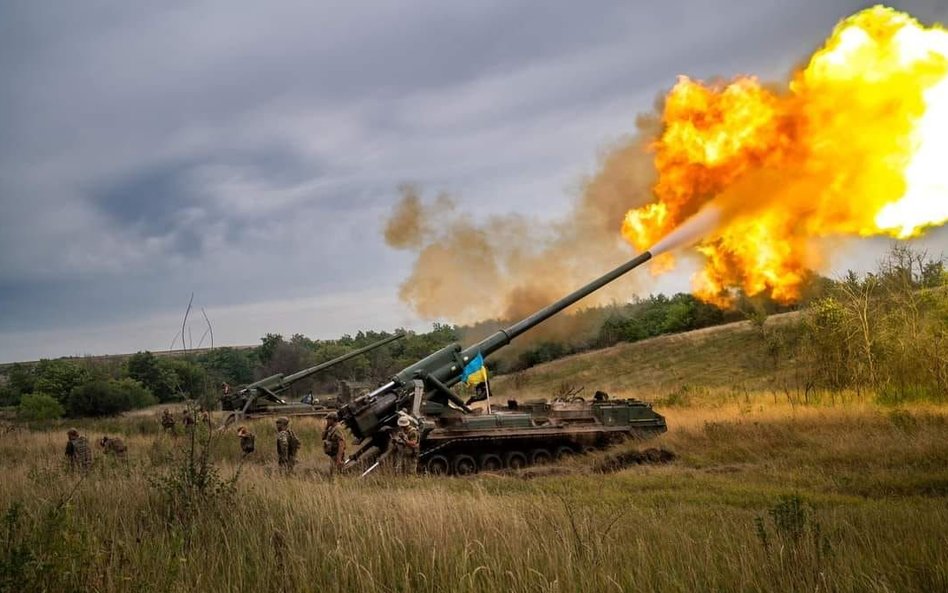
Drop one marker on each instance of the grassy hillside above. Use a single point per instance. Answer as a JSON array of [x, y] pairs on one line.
[[723, 358]]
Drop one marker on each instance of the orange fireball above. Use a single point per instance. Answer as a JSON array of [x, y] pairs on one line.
[[855, 145]]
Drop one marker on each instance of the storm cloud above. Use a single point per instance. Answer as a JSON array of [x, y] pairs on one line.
[[250, 152]]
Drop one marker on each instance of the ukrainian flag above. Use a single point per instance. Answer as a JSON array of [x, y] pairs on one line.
[[474, 372]]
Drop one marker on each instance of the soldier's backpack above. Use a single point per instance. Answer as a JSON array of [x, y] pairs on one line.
[[293, 443], [330, 444]]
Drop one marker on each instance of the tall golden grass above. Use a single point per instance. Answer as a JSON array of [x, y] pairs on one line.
[[873, 483]]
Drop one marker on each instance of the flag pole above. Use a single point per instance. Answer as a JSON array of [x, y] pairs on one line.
[[487, 387]]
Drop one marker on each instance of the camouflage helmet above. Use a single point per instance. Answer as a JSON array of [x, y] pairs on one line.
[[282, 420], [72, 432], [404, 421]]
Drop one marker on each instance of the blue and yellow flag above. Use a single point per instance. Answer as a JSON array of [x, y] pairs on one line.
[[474, 372]]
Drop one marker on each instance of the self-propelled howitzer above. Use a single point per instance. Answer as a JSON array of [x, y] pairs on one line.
[[428, 382], [246, 400]]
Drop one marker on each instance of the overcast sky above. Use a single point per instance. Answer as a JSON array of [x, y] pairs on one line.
[[249, 152]]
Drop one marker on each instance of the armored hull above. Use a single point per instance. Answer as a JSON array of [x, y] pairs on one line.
[[515, 436]]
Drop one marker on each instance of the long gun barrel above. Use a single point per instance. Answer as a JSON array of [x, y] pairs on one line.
[[272, 386], [442, 369]]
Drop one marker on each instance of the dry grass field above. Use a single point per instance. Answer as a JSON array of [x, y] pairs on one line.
[[770, 491], [762, 497]]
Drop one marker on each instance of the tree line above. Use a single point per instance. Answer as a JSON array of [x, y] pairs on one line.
[[883, 331]]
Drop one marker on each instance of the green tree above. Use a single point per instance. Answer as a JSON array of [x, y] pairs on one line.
[[229, 364], [59, 377], [679, 314], [268, 346], [148, 370], [189, 379], [39, 406]]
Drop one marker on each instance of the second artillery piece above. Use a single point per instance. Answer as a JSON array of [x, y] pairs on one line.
[[455, 438], [262, 398]]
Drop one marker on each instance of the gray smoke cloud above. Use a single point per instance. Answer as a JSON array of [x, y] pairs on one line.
[[470, 268]]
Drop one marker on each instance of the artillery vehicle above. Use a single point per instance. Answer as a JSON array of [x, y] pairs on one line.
[[262, 398], [458, 439]]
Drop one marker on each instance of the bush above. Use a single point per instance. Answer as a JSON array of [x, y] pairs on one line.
[[106, 398], [39, 406]]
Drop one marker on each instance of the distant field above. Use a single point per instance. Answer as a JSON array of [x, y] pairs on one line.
[[721, 358]]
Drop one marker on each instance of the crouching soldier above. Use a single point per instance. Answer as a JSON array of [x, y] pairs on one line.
[[288, 445], [247, 439], [334, 443], [114, 447], [78, 452]]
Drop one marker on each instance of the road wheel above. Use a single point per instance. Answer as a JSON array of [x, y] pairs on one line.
[[490, 463], [540, 456], [564, 452], [464, 465], [515, 460], [437, 466]]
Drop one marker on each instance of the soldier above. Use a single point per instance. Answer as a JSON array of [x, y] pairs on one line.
[[334, 443], [480, 394], [114, 446], [288, 445], [246, 440], [187, 418], [405, 445], [78, 452], [167, 421]]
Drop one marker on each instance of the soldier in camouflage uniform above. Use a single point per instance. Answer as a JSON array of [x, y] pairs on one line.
[[167, 421], [114, 446], [78, 452], [247, 440], [334, 443], [187, 418], [405, 445], [288, 445]]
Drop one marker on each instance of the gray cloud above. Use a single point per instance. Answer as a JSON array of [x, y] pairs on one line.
[[250, 152]]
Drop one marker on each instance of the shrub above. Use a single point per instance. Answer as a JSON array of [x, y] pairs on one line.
[[39, 406], [106, 398]]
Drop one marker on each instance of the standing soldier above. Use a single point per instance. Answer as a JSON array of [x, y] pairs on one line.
[[288, 445], [334, 443], [114, 446], [167, 421], [405, 443], [247, 440], [78, 452], [187, 418]]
